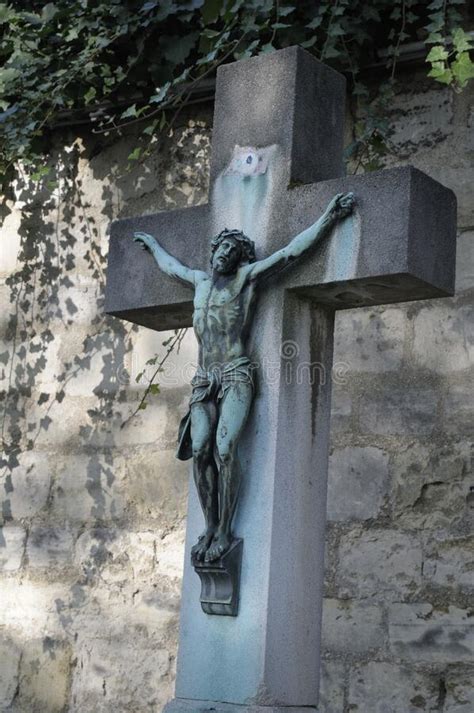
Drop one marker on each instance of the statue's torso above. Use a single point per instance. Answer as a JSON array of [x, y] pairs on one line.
[[223, 310]]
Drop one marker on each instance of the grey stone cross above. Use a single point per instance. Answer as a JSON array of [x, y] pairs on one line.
[[276, 163]]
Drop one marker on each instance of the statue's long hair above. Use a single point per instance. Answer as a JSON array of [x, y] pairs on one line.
[[247, 246]]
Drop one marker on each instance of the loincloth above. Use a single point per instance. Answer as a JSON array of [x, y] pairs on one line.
[[211, 385]]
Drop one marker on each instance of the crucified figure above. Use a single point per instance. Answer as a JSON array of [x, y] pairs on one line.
[[222, 393]]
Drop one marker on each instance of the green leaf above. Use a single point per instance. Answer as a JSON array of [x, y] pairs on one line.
[[40, 173], [437, 54], [286, 10], [135, 155], [309, 43], [8, 74], [143, 406], [210, 11], [315, 23], [31, 17], [90, 95], [6, 13], [434, 38], [161, 93], [461, 40], [130, 112], [48, 12], [441, 73], [463, 69], [154, 389], [176, 48]]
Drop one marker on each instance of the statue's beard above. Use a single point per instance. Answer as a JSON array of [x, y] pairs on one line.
[[224, 267]]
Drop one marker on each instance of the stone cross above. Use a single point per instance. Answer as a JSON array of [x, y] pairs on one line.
[[276, 163]]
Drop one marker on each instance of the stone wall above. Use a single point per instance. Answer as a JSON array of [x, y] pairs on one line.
[[93, 505], [398, 615]]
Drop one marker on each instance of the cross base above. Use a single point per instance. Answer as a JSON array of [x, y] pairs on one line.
[[185, 705], [220, 581]]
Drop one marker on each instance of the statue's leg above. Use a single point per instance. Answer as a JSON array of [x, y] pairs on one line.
[[234, 410], [203, 426]]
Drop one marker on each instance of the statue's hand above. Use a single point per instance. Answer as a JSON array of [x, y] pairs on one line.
[[341, 205], [144, 240]]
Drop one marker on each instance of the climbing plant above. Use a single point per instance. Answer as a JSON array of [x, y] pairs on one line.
[[117, 63]]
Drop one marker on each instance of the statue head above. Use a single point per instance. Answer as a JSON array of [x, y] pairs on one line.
[[230, 249]]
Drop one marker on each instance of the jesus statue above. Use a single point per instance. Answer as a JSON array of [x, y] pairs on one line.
[[223, 386]]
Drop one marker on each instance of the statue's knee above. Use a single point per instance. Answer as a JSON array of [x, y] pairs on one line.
[[201, 451], [225, 453]]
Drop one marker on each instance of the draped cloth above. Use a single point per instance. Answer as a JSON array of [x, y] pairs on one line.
[[211, 385]]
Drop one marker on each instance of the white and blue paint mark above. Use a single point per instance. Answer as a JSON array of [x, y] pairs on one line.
[[242, 192]]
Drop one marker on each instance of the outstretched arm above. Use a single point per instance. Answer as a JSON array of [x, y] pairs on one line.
[[340, 206], [166, 262]]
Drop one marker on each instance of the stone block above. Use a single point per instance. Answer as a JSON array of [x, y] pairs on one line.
[[381, 687], [370, 340], [68, 423], [460, 691], [103, 555], [157, 424], [331, 694], [357, 483], [178, 370], [384, 564], [49, 547], [418, 632], [10, 653], [430, 485], [78, 303], [459, 179], [352, 627], [25, 490], [11, 241], [45, 673], [449, 562], [89, 487], [341, 408], [459, 407], [465, 261], [397, 410], [444, 336], [420, 118], [170, 554], [29, 608], [97, 369], [157, 487], [186, 705], [12, 547], [120, 557], [120, 673]]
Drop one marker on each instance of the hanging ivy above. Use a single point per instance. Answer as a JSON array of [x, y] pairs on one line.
[[120, 63]]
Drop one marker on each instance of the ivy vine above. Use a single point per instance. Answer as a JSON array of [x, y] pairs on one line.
[[117, 63]]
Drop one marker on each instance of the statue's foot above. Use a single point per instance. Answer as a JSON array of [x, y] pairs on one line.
[[198, 552], [219, 546]]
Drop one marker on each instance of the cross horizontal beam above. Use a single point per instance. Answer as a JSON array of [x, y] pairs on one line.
[[399, 246]]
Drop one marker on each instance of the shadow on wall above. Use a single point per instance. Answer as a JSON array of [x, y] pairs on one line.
[[99, 596]]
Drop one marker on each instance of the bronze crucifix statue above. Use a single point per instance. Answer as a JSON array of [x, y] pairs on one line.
[[223, 384]]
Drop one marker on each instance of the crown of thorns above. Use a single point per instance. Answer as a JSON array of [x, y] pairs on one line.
[[247, 246]]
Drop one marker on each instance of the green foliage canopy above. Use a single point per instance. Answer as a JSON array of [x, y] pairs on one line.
[[118, 62]]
